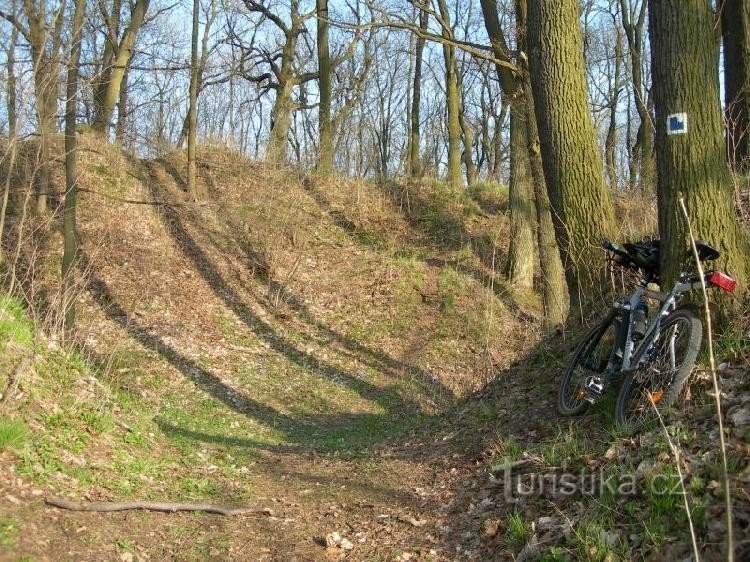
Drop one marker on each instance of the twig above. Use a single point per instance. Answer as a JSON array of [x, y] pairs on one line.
[[676, 453], [156, 506], [717, 393]]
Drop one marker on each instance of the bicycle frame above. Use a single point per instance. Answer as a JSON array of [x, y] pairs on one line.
[[668, 305]]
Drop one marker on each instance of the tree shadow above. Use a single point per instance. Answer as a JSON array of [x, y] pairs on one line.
[[371, 357], [260, 269], [485, 277], [295, 429]]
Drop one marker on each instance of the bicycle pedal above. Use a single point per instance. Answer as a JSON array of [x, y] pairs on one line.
[[595, 388]]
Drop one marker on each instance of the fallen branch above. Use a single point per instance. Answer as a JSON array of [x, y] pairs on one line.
[[156, 506]]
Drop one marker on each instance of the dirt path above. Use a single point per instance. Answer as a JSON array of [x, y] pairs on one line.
[[240, 382]]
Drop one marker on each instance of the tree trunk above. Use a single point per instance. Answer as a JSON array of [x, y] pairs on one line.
[[325, 159], [554, 285], [634, 19], [110, 88], [521, 196], [46, 88], [452, 101], [582, 205], [122, 113], [516, 87], [193, 107], [70, 248], [735, 21], [10, 67], [610, 143], [694, 163], [415, 166], [467, 156]]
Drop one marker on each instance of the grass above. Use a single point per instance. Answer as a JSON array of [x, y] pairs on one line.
[[593, 543], [15, 325], [13, 433], [518, 531], [9, 530]]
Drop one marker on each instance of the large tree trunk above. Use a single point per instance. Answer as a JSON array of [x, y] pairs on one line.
[[193, 107], [522, 211], [693, 163], [735, 20], [70, 248], [415, 166], [582, 204], [554, 286], [325, 126], [517, 89], [281, 114], [109, 88]]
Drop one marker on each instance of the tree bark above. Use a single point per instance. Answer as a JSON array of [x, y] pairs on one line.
[[610, 143], [694, 164], [109, 88], [415, 166], [10, 67], [193, 107], [452, 101], [521, 199], [516, 87], [735, 21], [325, 126], [70, 241], [583, 211], [634, 20]]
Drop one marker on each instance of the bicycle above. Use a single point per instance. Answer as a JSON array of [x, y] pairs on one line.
[[651, 357]]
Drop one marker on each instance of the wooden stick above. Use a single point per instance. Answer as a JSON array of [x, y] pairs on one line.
[[156, 506]]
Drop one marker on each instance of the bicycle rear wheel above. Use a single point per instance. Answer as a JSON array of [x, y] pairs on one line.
[[593, 356], [658, 383]]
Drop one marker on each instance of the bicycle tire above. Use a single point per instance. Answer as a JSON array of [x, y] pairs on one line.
[[647, 383], [567, 405]]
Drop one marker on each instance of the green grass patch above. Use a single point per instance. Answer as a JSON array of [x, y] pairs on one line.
[[9, 530], [13, 433], [518, 530], [15, 325]]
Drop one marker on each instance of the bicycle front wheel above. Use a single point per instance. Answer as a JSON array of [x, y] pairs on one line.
[[661, 371], [593, 356]]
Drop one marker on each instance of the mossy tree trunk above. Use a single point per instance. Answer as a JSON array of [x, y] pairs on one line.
[[581, 202], [735, 21], [70, 248], [517, 94], [521, 254], [108, 89], [683, 59]]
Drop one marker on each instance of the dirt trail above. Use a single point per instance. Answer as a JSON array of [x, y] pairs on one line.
[[238, 359]]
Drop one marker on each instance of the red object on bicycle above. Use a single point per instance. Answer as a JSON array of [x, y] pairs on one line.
[[722, 281]]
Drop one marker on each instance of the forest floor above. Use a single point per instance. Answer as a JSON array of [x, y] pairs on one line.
[[342, 353]]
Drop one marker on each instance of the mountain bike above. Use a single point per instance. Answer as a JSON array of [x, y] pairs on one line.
[[649, 354]]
